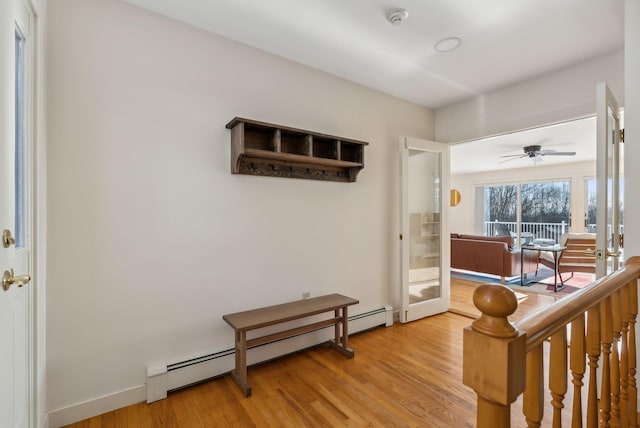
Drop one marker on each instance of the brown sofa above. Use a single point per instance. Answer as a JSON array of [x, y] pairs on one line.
[[492, 255]]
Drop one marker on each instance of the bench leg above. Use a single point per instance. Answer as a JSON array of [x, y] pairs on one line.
[[240, 373], [337, 326], [341, 344], [345, 328]]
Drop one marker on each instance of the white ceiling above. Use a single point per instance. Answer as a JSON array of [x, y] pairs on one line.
[[503, 42], [485, 155]]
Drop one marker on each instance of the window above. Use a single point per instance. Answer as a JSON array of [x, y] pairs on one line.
[[20, 141], [591, 202], [531, 210]]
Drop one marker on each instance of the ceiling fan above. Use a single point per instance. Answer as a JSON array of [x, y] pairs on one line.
[[536, 153]]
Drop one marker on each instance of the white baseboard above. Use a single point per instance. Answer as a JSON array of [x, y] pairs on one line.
[[97, 406]]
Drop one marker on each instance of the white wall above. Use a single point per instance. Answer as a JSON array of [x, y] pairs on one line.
[[562, 95], [151, 239], [462, 216], [632, 126]]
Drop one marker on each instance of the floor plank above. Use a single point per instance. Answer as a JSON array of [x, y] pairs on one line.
[[406, 375]]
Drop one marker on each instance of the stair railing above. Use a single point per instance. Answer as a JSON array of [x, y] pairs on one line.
[[590, 332]]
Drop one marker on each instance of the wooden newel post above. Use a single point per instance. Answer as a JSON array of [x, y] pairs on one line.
[[494, 356]]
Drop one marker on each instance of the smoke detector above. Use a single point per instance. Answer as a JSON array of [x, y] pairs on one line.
[[397, 16]]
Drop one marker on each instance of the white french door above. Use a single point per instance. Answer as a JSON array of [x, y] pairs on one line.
[[425, 254], [608, 182], [16, 136]]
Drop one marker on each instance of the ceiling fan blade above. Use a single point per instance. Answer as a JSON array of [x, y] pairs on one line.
[[554, 153], [511, 158]]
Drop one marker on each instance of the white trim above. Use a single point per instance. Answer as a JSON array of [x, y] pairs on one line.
[[97, 406]]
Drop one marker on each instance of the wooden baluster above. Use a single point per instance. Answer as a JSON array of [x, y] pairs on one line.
[[632, 288], [616, 329], [577, 363], [606, 337], [494, 356], [593, 353], [624, 357], [633, 389], [558, 374], [533, 400]]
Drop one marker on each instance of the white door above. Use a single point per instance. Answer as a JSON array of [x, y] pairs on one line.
[[608, 182], [15, 252], [425, 254]]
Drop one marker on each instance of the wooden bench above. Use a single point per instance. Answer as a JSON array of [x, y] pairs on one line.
[[242, 322]]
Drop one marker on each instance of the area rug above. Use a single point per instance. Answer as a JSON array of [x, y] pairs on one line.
[[542, 283]]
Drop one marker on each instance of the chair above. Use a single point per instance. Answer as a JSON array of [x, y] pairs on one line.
[[502, 230], [574, 258]]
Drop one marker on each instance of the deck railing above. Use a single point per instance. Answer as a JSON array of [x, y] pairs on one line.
[[539, 230], [503, 360]]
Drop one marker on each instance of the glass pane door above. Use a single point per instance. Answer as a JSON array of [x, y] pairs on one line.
[[425, 241], [591, 202]]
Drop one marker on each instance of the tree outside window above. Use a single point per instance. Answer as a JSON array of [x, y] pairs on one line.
[[544, 207]]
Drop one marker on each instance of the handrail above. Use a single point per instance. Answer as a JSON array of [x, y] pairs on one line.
[[499, 357], [547, 321]]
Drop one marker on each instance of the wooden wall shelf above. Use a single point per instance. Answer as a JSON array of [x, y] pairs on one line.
[[259, 148]]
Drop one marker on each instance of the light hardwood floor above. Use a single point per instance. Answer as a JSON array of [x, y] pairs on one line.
[[462, 301], [407, 375]]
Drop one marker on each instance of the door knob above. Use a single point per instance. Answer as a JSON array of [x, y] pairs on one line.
[[8, 279], [7, 239]]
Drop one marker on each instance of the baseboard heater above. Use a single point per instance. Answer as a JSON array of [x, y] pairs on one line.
[[165, 378]]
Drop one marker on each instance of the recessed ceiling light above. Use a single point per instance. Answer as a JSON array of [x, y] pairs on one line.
[[447, 45], [397, 16]]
